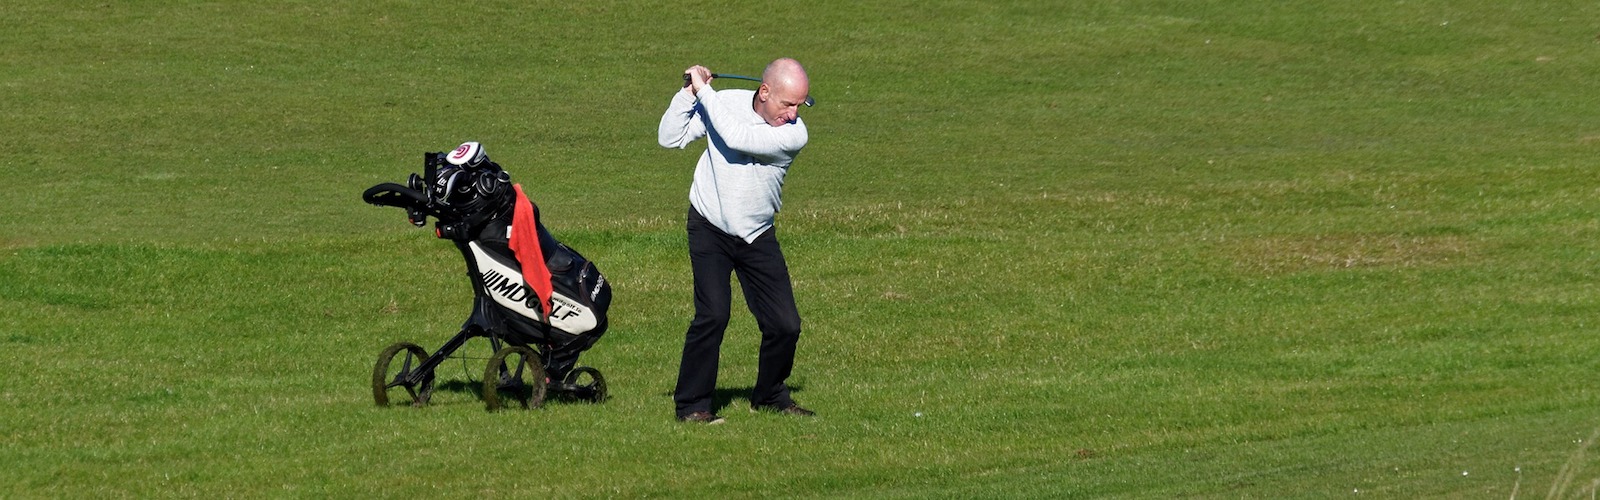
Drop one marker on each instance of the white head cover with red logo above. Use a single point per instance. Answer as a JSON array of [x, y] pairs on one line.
[[468, 154]]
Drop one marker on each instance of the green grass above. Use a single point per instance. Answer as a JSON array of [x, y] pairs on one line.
[[1042, 249]]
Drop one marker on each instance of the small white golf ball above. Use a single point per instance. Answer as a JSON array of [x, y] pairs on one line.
[[917, 414]]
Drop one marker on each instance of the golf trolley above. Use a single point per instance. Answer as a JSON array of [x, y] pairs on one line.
[[538, 302]]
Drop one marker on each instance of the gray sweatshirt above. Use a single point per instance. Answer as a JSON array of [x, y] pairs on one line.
[[738, 183]]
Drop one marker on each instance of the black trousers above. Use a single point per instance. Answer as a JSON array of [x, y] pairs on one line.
[[764, 277]]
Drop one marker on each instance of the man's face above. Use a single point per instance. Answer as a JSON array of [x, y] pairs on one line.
[[780, 104]]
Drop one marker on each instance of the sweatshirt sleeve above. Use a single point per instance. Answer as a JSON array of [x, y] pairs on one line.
[[756, 139], [678, 125]]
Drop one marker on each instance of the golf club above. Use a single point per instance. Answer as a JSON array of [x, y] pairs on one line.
[[809, 101]]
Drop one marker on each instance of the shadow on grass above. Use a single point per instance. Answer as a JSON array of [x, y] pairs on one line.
[[475, 388], [723, 397]]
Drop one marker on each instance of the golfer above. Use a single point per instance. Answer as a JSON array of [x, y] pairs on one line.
[[752, 137]]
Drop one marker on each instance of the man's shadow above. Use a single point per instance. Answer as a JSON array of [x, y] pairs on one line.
[[723, 397]]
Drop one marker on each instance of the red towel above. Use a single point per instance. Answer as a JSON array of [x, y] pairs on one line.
[[525, 244]]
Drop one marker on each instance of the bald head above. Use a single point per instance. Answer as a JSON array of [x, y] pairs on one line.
[[784, 86], [786, 72]]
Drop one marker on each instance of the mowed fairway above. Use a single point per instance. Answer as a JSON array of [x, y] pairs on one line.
[[1042, 249]]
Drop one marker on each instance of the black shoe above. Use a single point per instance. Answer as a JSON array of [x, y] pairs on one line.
[[702, 417], [790, 409]]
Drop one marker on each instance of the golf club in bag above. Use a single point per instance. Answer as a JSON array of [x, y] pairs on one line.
[[538, 302]]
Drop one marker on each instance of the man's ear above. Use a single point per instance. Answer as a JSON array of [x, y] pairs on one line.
[[763, 92]]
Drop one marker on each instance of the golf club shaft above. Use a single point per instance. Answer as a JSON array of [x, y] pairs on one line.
[[735, 77], [809, 101], [720, 75]]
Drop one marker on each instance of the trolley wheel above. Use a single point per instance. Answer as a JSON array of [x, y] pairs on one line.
[[514, 373], [386, 375], [591, 388]]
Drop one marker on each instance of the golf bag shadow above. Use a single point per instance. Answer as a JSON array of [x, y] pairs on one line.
[[535, 346]]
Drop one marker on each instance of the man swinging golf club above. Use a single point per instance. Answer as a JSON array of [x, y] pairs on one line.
[[752, 137]]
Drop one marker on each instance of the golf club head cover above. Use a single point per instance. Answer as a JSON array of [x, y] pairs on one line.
[[451, 185], [469, 155]]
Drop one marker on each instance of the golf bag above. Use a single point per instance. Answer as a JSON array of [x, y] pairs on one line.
[[528, 288]]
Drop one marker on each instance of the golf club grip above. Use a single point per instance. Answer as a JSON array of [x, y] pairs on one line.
[[686, 77]]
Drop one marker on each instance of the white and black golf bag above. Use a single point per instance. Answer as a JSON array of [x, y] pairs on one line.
[[475, 205]]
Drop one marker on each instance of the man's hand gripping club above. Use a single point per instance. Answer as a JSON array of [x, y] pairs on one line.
[[697, 77]]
